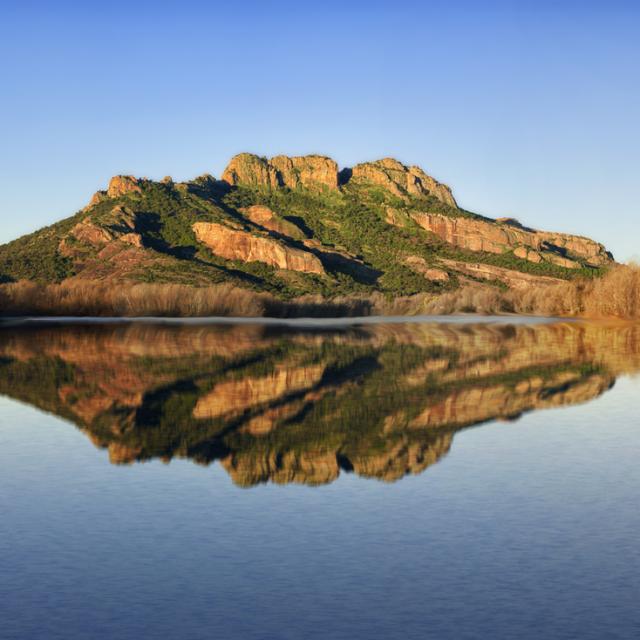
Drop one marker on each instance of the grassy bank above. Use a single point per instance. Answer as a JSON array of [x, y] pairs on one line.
[[615, 295]]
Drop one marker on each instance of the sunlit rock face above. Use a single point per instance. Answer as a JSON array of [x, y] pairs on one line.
[[400, 180], [306, 171], [250, 170], [277, 405], [118, 225], [119, 185], [271, 221], [234, 244], [503, 235], [312, 171]]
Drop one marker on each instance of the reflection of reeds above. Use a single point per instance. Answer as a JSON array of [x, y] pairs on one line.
[[615, 295]]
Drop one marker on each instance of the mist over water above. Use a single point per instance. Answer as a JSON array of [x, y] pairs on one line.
[[409, 480]]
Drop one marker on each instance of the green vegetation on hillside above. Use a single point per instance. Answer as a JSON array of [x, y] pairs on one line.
[[348, 229]]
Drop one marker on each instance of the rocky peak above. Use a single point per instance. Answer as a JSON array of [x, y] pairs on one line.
[[311, 171], [400, 180], [251, 170], [306, 171], [316, 171], [119, 185]]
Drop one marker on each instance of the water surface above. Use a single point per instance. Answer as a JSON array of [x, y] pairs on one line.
[[427, 480]]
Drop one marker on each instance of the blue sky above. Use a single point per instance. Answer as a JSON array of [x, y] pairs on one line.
[[527, 109]]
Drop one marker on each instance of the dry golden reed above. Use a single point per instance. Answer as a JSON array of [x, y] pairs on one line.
[[615, 295]]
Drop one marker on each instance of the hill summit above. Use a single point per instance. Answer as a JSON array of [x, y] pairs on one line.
[[291, 226]]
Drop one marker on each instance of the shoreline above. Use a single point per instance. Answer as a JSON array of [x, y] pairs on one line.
[[303, 322]]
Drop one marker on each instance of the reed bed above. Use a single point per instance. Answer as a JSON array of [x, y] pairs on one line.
[[615, 295]]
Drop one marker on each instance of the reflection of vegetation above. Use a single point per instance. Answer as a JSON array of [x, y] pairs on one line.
[[300, 406]]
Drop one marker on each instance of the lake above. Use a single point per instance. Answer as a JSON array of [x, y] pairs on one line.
[[436, 479]]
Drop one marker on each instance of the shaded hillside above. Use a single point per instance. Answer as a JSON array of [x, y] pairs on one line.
[[296, 226], [302, 406]]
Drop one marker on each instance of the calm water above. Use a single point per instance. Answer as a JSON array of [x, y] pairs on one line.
[[378, 481]]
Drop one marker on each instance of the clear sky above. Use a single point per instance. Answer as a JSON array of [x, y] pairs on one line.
[[529, 109]]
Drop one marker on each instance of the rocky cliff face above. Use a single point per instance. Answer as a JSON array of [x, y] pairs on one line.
[[234, 244], [306, 171], [494, 236], [119, 226], [401, 181], [119, 185], [271, 221], [311, 172], [250, 170]]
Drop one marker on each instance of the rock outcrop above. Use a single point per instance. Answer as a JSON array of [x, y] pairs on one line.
[[96, 198], [419, 265], [492, 236], [315, 171], [401, 181], [120, 185], [271, 221], [512, 278], [119, 225], [311, 172], [306, 171], [247, 169], [234, 244]]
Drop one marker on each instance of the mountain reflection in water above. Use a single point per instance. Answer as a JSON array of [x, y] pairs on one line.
[[286, 405]]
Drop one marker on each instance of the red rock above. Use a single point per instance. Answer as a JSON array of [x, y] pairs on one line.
[[233, 244]]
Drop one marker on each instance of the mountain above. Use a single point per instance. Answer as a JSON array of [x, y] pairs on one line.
[[291, 226]]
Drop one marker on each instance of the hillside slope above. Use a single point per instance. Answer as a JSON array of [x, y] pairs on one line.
[[295, 226]]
